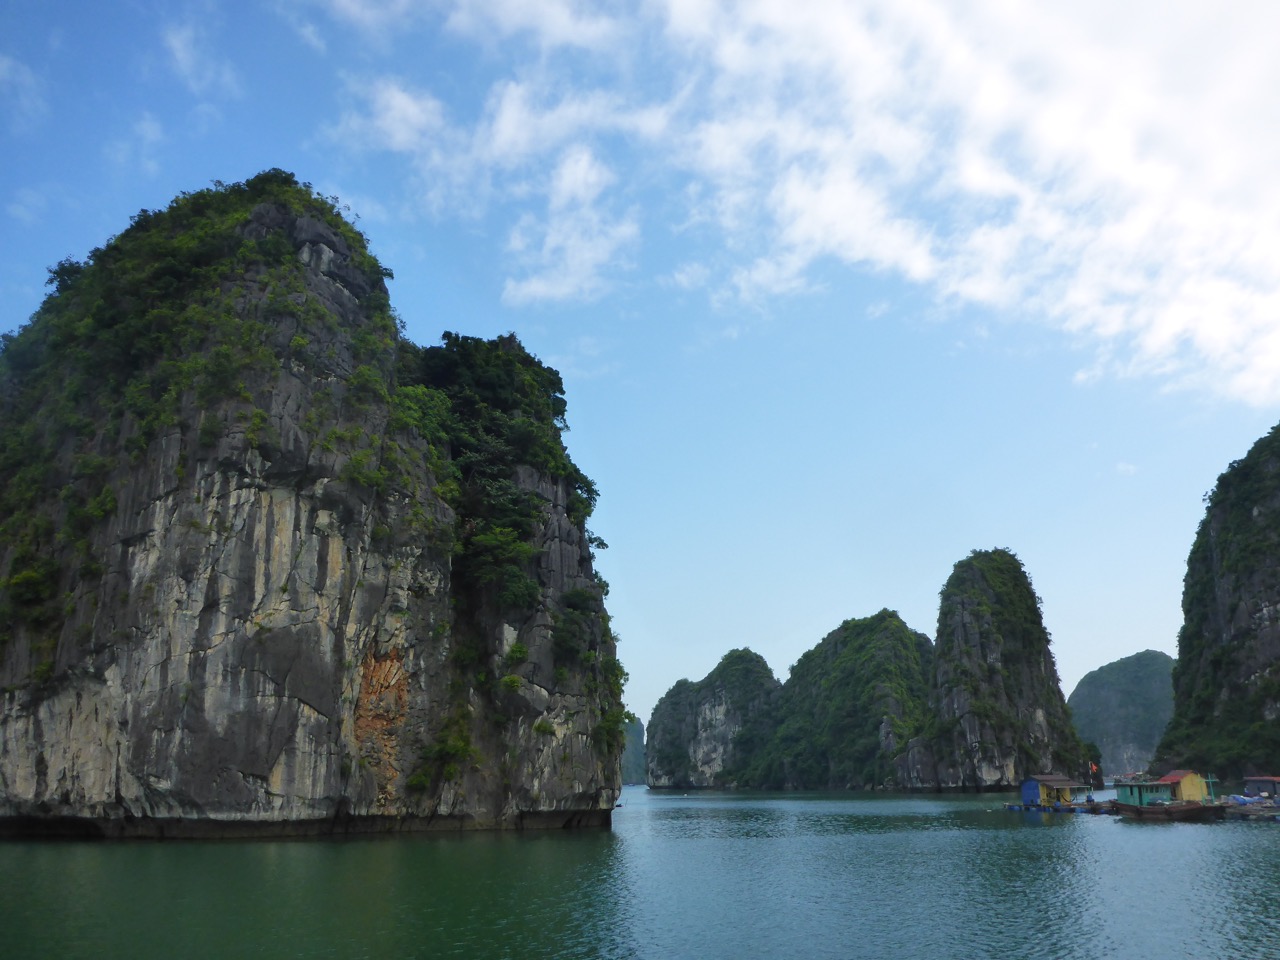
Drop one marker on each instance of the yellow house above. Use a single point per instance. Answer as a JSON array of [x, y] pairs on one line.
[[1188, 785]]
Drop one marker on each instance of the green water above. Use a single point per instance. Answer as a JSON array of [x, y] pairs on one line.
[[706, 876]]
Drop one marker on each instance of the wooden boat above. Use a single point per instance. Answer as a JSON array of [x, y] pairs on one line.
[[1177, 810], [1178, 795]]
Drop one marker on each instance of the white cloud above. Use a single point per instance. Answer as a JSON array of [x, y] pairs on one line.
[[552, 22], [373, 16], [689, 276], [528, 144], [549, 23], [1104, 170], [566, 254], [523, 122], [202, 72], [402, 119], [1107, 170], [21, 93], [291, 11]]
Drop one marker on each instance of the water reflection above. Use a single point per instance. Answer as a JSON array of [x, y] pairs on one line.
[[710, 876]]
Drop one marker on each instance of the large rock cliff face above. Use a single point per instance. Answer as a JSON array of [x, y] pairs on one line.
[[1123, 708], [1226, 682], [249, 576], [998, 713], [692, 733]]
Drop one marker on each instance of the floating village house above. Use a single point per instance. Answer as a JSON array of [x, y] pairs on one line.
[[1046, 789], [1261, 786], [1189, 785], [1178, 785], [1139, 793]]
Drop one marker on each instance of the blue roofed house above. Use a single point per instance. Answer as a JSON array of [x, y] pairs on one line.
[[1047, 789]]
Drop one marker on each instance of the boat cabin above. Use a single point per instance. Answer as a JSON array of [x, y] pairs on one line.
[[1261, 786], [1046, 789], [1139, 793]]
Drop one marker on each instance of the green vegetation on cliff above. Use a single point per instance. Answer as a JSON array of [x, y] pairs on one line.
[[875, 704], [998, 711], [137, 341], [694, 726], [164, 348], [824, 728], [1226, 682], [1124, 707]]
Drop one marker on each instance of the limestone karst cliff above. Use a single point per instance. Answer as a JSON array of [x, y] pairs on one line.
[[1226, 681], [1123, 708], [842, 712], [877, 705], [996, 711], [694, 726], [267, 565], [633, 765]]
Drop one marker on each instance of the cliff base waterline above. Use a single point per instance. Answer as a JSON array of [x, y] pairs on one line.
[[188, 828]]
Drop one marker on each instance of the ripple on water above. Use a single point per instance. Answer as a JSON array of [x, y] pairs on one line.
[[709, 876]]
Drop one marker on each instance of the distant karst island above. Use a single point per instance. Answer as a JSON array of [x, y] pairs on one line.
[[876, 705]]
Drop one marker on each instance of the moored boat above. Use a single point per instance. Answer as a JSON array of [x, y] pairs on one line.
[[1179, 810], [1182, 795]]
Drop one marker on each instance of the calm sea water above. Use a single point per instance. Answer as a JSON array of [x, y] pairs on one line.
[[701, 876]]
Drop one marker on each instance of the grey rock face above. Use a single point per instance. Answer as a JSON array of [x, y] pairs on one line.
[[996, 703], [692, 731], [271, 643], [1124, 707]]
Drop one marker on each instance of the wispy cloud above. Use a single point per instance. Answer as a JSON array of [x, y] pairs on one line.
[[529, 146], [373, 16], [21, 94], [27, 205], [588, 358], [566, 252], [553, 23], [548, 23], [204, 73], [1106, 171], [137, 150], [292, 13]]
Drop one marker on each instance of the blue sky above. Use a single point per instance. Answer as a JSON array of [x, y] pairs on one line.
[[840, 291]]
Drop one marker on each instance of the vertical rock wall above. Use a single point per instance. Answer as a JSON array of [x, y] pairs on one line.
[[998, 714], [1226, 682], [270, 641]]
